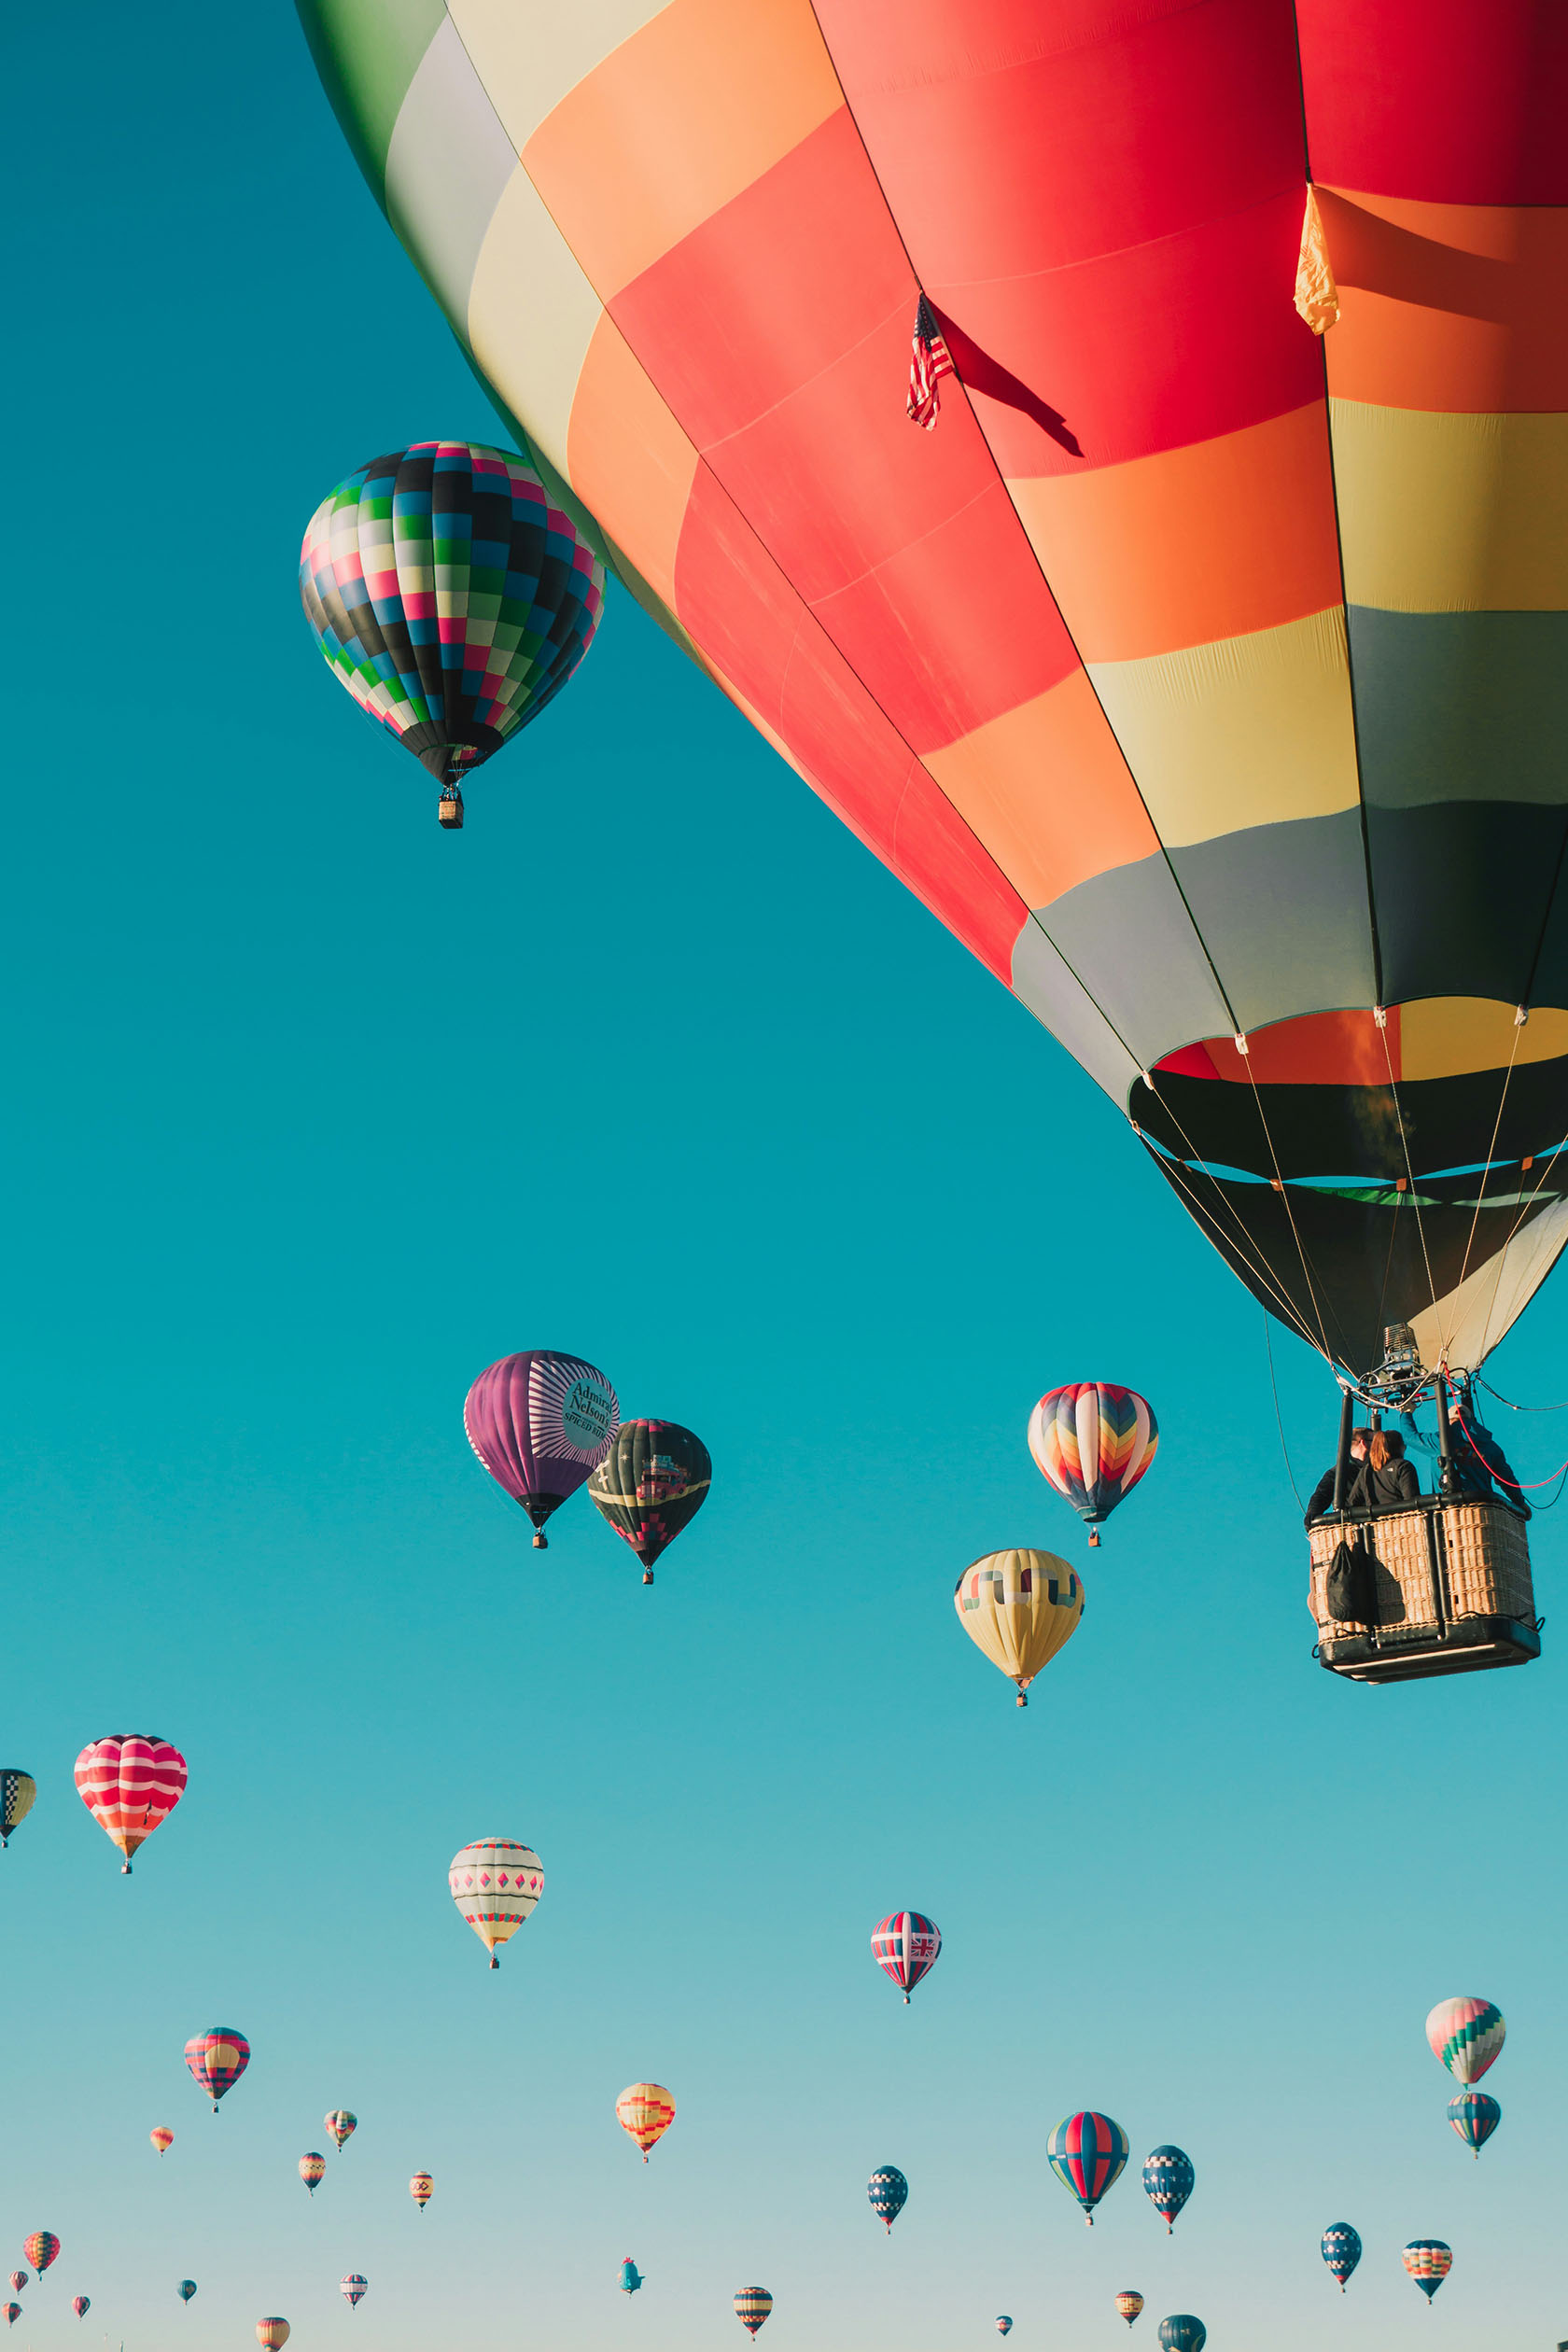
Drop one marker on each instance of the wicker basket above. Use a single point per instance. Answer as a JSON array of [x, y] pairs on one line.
[[1488, 1563], [1401, 1546]]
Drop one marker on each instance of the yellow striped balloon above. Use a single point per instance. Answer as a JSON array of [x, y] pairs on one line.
[[273, 2334], [1019, 1607], [161, 2138], [751, 2307], [645, 2110], [1130, 2303]]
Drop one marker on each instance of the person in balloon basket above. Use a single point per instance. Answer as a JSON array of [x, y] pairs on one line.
[[1479, 1464], [1386, 1482], [1323, 1493]]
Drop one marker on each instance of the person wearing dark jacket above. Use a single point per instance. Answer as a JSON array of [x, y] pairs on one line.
[[1480, 1462], [1385, 1481], [1323, 1493]]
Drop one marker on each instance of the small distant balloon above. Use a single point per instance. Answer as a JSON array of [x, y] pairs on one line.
[[645, 2110], [422, 2188], [1019, 1608], [1093, 1442], [342, 2126], [81, 2305], [1182, 2332], [40, 2250], [1088, 2152], [273, 2334], [496, 1883], [186, 2289], [352, 2289], [905, 1946], [1130, 2303], [751, 2307], [1468, 2035], [17, 1792], [889, 2192], [312, 2168], [652, 1482], [539, 1422], [1429, 2262], [217, 2058], [1168, 2183], [130, 1783], [631, 2277], [161, 2137], [13, 2313], [18, 2281], [1004, 2323], [1341, 2250], [1475, 2117]]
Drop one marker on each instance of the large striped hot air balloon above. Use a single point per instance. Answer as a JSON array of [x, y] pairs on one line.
[[496, 1883], [1020, 1608], [40, 2250], [1341, 2250], [751, 2307], [342, 2126], [1475, 2117], [889, 2192], [312, 2169], [1468, 2035], [1428, 2261], [539, 1422], [1168, 2183], [907, 1945], [1087, 2153], [1130, 2303], [453, 597], [129, 1783], [652, 1482], [217, 2058], [645, 2110], [1093, 1443], [18, 1791]]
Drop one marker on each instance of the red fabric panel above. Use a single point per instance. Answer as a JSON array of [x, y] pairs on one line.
[[1457, 102], [739, 608]]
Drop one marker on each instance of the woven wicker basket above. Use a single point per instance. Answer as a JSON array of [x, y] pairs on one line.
[[1401, 1546], [1488, 1563]]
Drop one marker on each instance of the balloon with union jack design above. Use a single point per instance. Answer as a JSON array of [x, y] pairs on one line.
[[1468, 2035], [889, 2192], [1475, 2117], [1341, 2250], [905, 1946], [217, 2058], [1429, 2262], [496, 1883], [751, 2307], [1130, 2303], [1088, 2153], [1093, 1442], [1169, 2180], [540, 1422], [130, 1783]]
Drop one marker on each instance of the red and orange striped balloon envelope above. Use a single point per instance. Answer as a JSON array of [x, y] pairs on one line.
[[645, 2110], [129, 1782], [40, 2250], [217, 2058], [1093, 1442]]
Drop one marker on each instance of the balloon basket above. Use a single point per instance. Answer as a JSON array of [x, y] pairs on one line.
[[648, 1576], [449, 811], [494, 1962], [541, 1542], [1094, 1539], [1451, 1587]]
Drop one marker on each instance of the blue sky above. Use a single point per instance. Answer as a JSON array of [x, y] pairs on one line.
[[282, 1178]]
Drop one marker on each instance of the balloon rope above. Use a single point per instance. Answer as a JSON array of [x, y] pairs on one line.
[[1288, 1210], [1497, 1124], [1512, 1408], [1514, 1486], [1289, 1312], [1507, 1245], [1279, 1417], [1410, 1180]]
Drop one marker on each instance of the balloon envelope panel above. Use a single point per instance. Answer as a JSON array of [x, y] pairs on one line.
[[652, 1482]]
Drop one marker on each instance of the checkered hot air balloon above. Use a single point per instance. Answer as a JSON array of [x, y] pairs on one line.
[[1088, 2152], [352, 2289], [1093, 1443], [312, 2169], [1428, 2261], [889, 2192], [539, 1422], [161, 2138], [495, 1883], [342, 2126], [273, 2334], [18, 1790], [751, 2307], [217, 2058], [40, 2250], [645, 2110], [1130, 2303], [129, 1782], [1182, 2332], [1341, 2250], [1020, 1608], [451, 596], [1468, 2035], [422, 2188], [1168, 2183], [1475, 2117], [81, 2305], [905, 1946]]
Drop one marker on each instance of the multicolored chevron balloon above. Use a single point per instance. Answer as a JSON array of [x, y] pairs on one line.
[[1088, 2153], [312, 2169], [1468, 2035], [1475, 2117], [1341, 2250], [1429, 2262], [905, 1946], [1093, 1443]]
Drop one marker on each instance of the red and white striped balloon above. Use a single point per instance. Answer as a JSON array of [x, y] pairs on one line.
[[130, 1783]]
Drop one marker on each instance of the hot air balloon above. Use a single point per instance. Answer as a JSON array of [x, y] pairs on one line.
[[631, 2277], [81, 2305], [1468, 2035], [40, 2250], [1475, 2117], [18, 1790], [18, 2281], [1429, 2262], [186, 2289], [1168, 2183], [1341, 2250], [1087, 2153], [905, 1946], [161, 2138], [273, 2334], [1020, 1607], [129, 1783], [494, 1883], [312, 2167], [1093, 1443], [342, 2126], [539, 1422], [888, 2190], [1273, 607], [1004, 2323], [453, 597], [751, 2307], [652, 1482], [13, 2313], [645, 2110], [422, 2188], [352, 2289], [1182, 2332], [217, 2058], [1130, 2303]]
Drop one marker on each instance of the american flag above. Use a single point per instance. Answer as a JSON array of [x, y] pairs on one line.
[[930, 361]]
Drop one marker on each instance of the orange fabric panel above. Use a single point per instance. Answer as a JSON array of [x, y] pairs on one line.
[[1320, 1049], [628, 457], [1047, 791], [674, 123], [1453, 307], [1217, 540]]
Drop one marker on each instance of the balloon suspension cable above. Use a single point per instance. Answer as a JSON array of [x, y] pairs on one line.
[[1510, 1406], [1515, 1486], [1279, 1417], [1380, 1017], [1519, 1019], [1285, 1196]]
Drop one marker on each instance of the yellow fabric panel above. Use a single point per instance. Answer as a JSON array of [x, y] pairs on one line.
[[531, 319], [1446, 1037], [1046, 790], [1451, 513], [677, 122], [1254, 731], [1470, 1320], [530, 56]]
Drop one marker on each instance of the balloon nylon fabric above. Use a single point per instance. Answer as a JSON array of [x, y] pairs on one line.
[[1468, 2035], [906, 1946], [751, 2307], [541, 1421], [1088, 2152], [496, 1883], [645, 2110], [1093, 1442], [1020, 1608], [1283, 612], [650, 1484], [130, 1783], [1341, 2250], [217, 2059], [888, 2193]]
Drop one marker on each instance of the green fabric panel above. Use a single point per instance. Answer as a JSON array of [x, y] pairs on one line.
[[366, 52], [1459, 706]]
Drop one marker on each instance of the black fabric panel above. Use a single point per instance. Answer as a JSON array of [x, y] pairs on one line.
[[1461, 890]]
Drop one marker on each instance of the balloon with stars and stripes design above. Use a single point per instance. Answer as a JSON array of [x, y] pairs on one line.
[[1088, 2152], [130, 1783], [1341, 2250], [907, 1945]]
